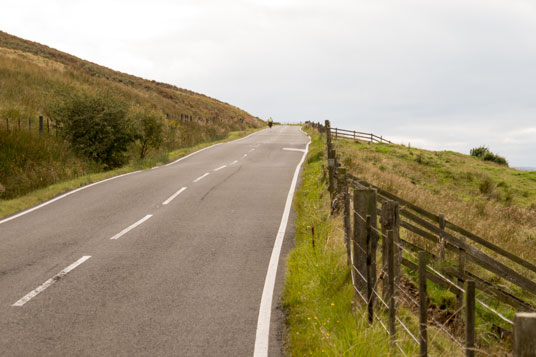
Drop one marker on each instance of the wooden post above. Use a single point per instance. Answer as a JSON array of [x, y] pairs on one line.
[[19, 124], [364, 204], [328, 137], [391, 285], [470, 318], [525, 334], [390, 220], [371, 139], [48, 126], [370, 279], [441, 238], [461, 282], [423, 304], [40, 124], [29, 124], [354, 136], [347, 220], [335, 133]]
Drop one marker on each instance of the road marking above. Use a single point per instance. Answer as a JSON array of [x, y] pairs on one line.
[[50, 281], [131, 227], [201, 177], [155, 167], [221, 167], [187, 156], [174, 195], [294, 149], [63, 196], [234, 162], [251, 150], [244, 156], [265, 310]]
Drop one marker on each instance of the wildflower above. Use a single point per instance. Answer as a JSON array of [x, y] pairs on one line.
[[332, 304]]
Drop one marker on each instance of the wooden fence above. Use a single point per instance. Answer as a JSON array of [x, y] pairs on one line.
[[356, 136], [407, 235]]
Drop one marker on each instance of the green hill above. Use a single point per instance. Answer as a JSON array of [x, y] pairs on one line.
[[156, 117]]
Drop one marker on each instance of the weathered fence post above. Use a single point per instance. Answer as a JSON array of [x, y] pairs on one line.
[[347, 220], [354, 136], [461, 282], [470, 318], [441, 238], [370, 277], [336, 133], [364, 204], [525, 334], [423, 304], [389, 242], [390, 220], [40, 124], [371, 139]]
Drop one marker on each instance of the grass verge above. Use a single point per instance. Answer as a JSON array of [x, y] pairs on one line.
[[8, 207], [323, 317]]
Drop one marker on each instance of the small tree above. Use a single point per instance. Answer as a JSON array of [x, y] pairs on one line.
[[150, 133], [97, 126]]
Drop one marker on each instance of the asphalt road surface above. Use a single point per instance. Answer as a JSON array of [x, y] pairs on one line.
[[165, 262]]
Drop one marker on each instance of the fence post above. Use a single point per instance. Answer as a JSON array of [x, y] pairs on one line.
[[470, 318], [370, 277], [335, 133], [391, 285], [354, 137], [29, 124], [371, 139], [525, 334], [19, 124], [48, 126], [390, 220], [461, 282], [441, 238], [347, 221], [40, 124], [423, 304]]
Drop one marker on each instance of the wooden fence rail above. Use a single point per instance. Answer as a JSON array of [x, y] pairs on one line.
[[432, 236]]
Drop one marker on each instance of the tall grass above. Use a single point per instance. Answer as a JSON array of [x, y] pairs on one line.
[[323, 317]]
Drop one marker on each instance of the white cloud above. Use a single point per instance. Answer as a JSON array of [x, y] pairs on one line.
[[450, 74]]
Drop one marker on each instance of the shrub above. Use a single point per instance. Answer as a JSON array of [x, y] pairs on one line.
[[150, 129], [97, 126], [485, 154]]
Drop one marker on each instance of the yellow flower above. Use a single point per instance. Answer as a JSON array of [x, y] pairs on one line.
[[332, 304], [308, 318]]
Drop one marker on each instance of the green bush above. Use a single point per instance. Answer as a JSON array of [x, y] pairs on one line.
[[97, 126], [150, 129], [485, 154]]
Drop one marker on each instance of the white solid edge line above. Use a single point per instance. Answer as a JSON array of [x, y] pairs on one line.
[[293, 149], [265, 310], [63, 196], [211, 146], [201, 177], [46, 203], [172, 197], [50, 281], [221, 167], [131, 227]]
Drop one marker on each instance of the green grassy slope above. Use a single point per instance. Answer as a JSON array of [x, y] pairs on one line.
[[35, 78]]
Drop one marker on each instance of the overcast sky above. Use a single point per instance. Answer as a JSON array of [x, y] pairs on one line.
[[442, 75]]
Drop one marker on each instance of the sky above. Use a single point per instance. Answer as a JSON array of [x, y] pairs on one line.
[[440, 75]]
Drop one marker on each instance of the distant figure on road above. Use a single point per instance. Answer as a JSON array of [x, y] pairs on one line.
[[270, 122]]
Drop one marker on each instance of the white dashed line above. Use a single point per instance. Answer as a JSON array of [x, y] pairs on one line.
[[251, 150], [201, 177], [50, 281], [174, 195], [221, 167], [244, 156], [126, 230], [294, 149], [234, 162]]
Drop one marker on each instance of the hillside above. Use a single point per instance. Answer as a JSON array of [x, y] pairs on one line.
[[30, 72], [36, 80], [492, 201]]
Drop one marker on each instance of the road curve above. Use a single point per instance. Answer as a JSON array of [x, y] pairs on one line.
[[170, 261]]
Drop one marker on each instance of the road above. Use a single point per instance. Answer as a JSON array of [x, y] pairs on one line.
[[170, 261]]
